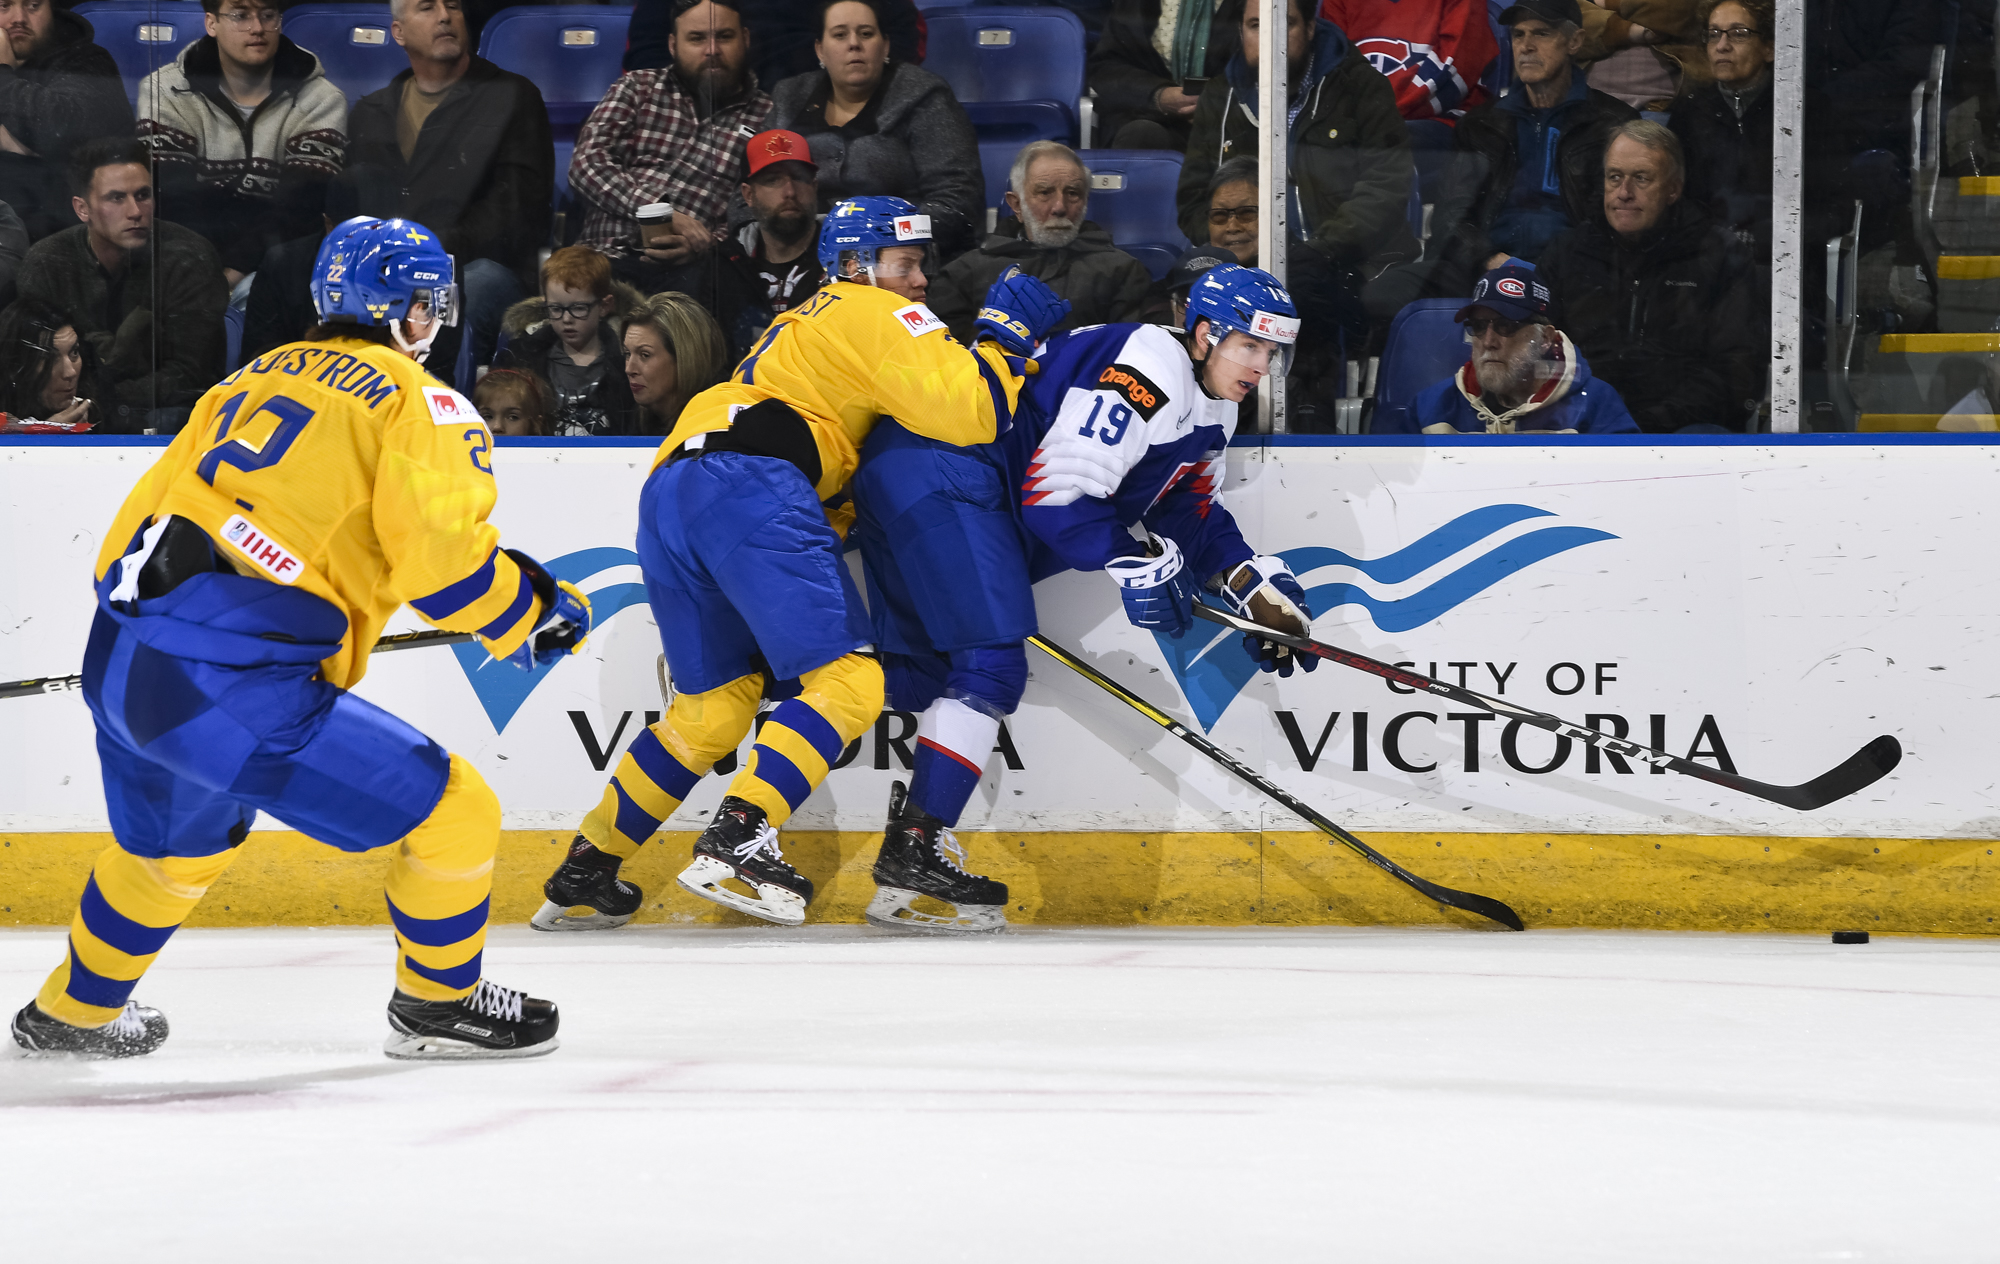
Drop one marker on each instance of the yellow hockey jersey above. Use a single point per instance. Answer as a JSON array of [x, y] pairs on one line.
[[853, 353], [343, 468]]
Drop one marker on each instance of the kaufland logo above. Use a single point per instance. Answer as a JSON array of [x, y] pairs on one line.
[[1276, 328], [1400, 591]]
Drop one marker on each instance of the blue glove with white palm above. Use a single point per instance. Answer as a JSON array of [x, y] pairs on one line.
[[1155, 589], [1019, 311], [1264, 591]]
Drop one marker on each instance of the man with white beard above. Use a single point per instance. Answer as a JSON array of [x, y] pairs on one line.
[[1048, 238], [1523, 376]]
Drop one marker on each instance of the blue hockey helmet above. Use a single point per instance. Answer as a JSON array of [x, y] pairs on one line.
[[857, 229], [1248, 301], [373, 271]]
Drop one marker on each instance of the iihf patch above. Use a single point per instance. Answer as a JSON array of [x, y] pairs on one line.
[[918, 319], [1138, 389], [449, 408], [266, 554]]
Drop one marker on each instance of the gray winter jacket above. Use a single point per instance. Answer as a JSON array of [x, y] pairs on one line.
[[911, 141], [1103, 284]]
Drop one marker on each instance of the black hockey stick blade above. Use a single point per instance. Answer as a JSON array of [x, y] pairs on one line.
[[400, 641], [1485, 906], [1859, 771]]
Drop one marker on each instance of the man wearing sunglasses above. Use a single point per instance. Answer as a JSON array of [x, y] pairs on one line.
[[1523, 375]]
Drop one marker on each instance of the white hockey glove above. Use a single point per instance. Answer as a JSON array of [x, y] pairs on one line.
[[1264, 591], [1155, 589]]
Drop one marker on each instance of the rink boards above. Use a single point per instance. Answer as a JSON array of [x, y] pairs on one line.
[[1772, 603]]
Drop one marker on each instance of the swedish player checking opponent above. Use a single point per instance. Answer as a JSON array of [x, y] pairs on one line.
[[743, 567], [313, 492], [1125, 425]]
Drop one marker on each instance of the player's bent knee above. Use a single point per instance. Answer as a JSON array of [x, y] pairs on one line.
[[700, 728], [460, 836], [913, 681], [848, 691], [989, 680]]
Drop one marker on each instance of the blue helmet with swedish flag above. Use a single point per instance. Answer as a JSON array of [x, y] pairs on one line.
[[378, 271], [857, 230]]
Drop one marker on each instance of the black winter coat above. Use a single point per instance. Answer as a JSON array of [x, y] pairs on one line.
[[1728, 162], [483, 172], [1102, 283], [1671, 322], [68, 92], [1126, 71], [1862, 59], [1487, 160]]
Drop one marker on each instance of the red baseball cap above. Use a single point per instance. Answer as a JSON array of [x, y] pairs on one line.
[[778, 145]]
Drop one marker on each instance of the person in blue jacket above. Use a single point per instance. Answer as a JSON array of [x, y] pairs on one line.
[[1523, 376]]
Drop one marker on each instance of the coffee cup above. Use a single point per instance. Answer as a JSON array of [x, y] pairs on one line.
[[656, 223]]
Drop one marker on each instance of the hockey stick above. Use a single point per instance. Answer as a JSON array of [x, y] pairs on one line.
[[400, 641], [1485, 906], [1860, 770]]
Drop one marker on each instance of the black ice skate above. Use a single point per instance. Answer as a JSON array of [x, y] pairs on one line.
[[741, 847], [921, 858], [493, 1022], [137, 1029], [585, 893]]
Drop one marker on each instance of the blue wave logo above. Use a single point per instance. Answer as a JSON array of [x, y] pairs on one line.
[[1213, 669], [502, 689]]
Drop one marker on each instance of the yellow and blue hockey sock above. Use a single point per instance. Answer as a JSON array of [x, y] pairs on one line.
[[805, 735], [953, 742], [439, 888], [131, 906], [665, 762]]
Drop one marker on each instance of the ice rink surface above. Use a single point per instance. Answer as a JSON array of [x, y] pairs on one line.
[[1109, 1095]]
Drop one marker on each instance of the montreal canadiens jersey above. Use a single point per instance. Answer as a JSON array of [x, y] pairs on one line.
[[851, 354], [344, 469], [1118, 431]]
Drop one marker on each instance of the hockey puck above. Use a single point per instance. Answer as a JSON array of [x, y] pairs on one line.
[[1850, 937]]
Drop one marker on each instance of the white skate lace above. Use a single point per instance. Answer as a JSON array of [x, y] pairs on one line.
[[494, 1001], [128, 1023], [951, 851], [766, 840]]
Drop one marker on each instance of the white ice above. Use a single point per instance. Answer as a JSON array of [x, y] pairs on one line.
[[1103, 1095]]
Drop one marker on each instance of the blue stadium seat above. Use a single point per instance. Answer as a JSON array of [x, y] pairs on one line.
[[571, 51], [1425, 346], [1499, 75], [1017, 71], [1132, 198], [352, 42], [141, 35], [1159, 260], [565, 150]]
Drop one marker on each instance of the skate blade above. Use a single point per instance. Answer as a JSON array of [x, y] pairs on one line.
[[405, 1047], [560, 917], [890, 909], [772, 903]]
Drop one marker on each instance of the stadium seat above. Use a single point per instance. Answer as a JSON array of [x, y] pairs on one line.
[[1425, 346], [1132, 198], [1017, 71], [571, 51], [141, 35], [352, 42]]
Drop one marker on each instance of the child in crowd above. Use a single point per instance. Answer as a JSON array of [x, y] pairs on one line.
[[514, 402], [570, 339]]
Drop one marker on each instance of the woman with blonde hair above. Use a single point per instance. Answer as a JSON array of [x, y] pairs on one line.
[[674, 350]]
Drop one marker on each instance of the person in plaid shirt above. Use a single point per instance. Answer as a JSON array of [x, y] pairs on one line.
[[673, 135]]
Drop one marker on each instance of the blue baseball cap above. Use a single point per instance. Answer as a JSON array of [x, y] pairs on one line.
[[1511, 290]]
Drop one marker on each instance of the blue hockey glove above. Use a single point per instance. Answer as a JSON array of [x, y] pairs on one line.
[[1264, 591], [1019, 312], [1155, 589], [565, 618]]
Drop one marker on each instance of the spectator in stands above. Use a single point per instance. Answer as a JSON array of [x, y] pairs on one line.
[[881, 126], [463, 147], [1644, 52], [246, 130], [782, 35], [1049, 190], [1149, 67], [109, 272], [770, 265], [57, 90], [673, 135], [1166, 298], [1528, 166], [13, 249], [1523, 375], [1433, 52], [46, 369], [515, 402], [1350, 165], [1725, 126], [570, 339], [1232, 209], [1654, 293], [674, 350]]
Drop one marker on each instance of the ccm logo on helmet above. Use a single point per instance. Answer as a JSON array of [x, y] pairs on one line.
[[1137, 388]]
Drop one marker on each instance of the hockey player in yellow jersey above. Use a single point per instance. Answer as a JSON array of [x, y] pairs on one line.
[[742, 558], [314, 491]]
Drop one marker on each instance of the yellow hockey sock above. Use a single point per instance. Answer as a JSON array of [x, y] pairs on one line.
[[664, 763], [805, 735], [439, 884]]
